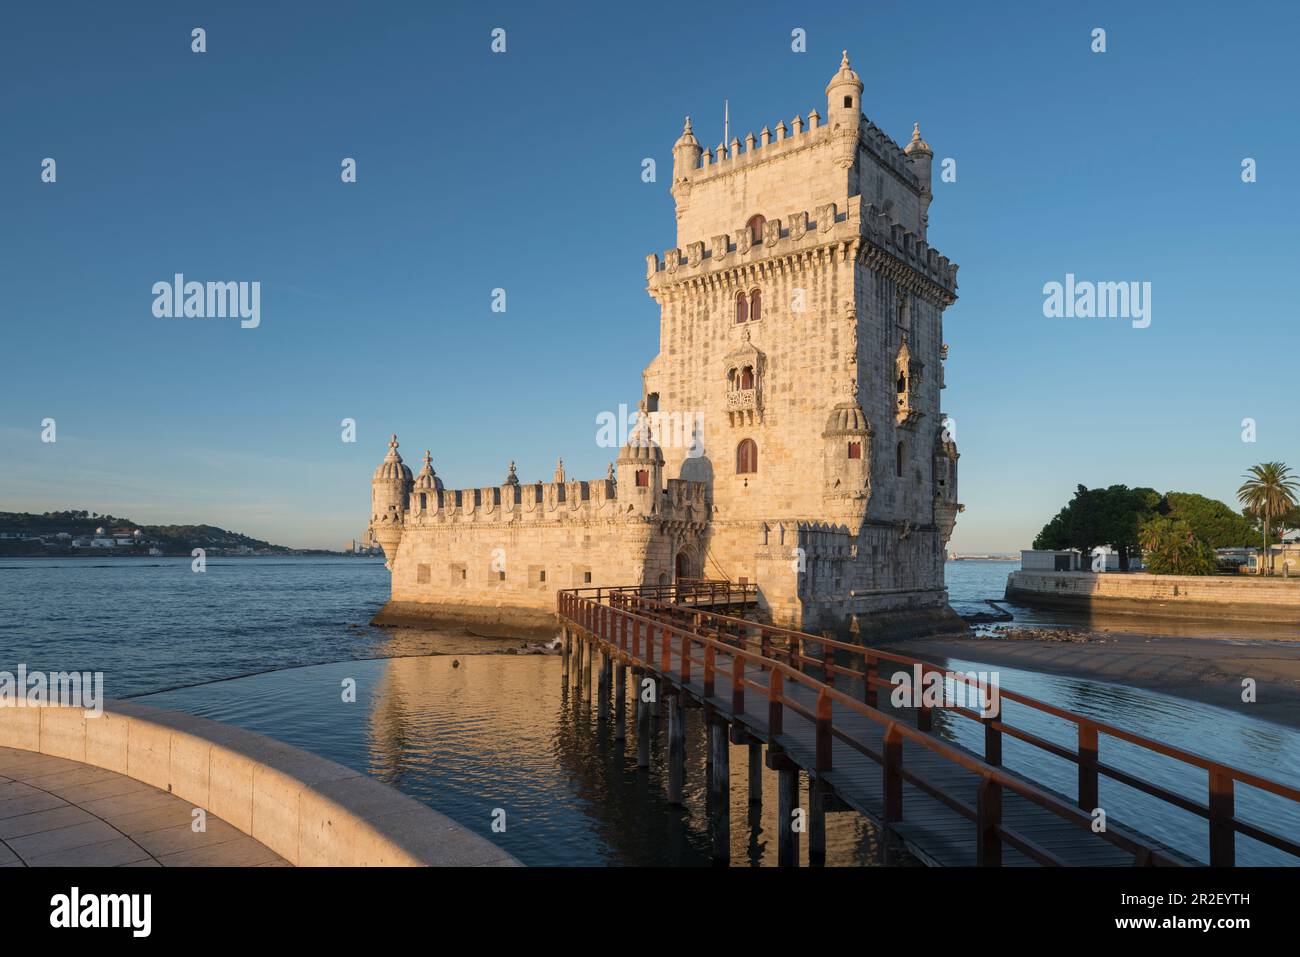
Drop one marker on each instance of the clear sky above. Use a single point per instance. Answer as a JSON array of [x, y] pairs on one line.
[[522, 171]]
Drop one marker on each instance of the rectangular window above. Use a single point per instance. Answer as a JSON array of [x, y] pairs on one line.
[[541, 576], [855, 450], [586, 577], [642, 478], [422, 574]]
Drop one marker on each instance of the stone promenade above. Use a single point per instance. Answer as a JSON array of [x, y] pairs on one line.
[[60, 813]]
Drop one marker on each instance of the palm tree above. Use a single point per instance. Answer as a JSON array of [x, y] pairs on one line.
[[1269, 491]]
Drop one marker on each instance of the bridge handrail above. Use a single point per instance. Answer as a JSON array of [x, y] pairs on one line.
[[1167, 750], [1219, 810], [591, 618]]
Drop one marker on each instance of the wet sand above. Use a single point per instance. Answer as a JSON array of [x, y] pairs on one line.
[[1198, 669]]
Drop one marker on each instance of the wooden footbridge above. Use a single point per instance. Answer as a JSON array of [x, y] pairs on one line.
[[821, 707]]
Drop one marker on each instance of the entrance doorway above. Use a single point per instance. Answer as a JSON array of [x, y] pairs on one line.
[[683, 566]]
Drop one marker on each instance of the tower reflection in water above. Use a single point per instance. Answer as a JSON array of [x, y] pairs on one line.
[[477, 736]]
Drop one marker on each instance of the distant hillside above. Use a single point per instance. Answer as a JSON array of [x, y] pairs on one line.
[[25, 533]]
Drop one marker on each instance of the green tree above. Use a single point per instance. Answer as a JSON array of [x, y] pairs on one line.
[[1269, 492], [1169, 547], [1110, 516], [1213, 522]]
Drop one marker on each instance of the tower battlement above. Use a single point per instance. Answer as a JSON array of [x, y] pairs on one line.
[[729, 255]]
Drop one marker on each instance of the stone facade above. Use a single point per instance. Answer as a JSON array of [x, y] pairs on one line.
[[793, 434]]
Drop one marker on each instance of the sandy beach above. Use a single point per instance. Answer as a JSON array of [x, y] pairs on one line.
[[1198, 669]]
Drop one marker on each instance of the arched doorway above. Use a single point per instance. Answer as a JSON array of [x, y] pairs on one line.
[[683, 566]]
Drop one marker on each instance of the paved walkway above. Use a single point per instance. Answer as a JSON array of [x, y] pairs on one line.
[[60, 813]]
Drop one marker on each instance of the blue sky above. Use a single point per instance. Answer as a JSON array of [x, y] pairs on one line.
[[522, 171]]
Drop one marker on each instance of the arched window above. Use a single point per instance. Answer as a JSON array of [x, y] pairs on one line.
[[755, 305], [902, 382], [746, 457], [742, 308], [747, 377], [755, 225], [424, 501], [848, 102], [898, 464]]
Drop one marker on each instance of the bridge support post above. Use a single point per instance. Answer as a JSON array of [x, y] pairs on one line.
[[584, 675], [659, 693], [602, 687], [988, 846], [720, 791], [676, 747], [787, 791], [816, 821], [620, 701], [642, 727], [755, 774], [566, 649]]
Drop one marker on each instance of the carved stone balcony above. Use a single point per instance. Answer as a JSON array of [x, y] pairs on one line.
[[742, 400], [744, 406]]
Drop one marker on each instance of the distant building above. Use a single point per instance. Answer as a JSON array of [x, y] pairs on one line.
[[1050, 560]]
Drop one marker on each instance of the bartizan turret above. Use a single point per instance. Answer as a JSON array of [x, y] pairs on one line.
[[640, 470], [919, 157], [390, 492], [844, 113], [686, 159], [846, 461]]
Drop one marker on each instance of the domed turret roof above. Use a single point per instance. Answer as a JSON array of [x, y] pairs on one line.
[[687, 138], [428, 479], [846, 419], [845, 76], [641, 445], [393, 469], [917, 145]]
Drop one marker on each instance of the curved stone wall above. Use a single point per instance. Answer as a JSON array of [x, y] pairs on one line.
[[310, 811]]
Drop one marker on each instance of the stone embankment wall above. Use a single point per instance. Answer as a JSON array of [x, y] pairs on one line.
[[310, 811], [1234, 598]]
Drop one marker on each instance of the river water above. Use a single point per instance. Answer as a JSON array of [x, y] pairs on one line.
[[266, 643]]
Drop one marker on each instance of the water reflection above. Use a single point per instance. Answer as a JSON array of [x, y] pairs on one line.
[[470, 735]]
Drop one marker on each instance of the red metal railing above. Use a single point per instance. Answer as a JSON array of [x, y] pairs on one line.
[[639, 626]]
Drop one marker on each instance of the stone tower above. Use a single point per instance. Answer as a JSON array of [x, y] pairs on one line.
[[801, 324]]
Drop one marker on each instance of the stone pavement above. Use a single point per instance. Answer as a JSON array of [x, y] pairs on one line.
[[60, 813]]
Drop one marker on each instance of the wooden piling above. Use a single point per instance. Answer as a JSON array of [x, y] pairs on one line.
[[720, 792], [787, 838], [642, 733], [602, 688], [755, 773], [566, 648], [816, 822], [676, 747], [620, 701]]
